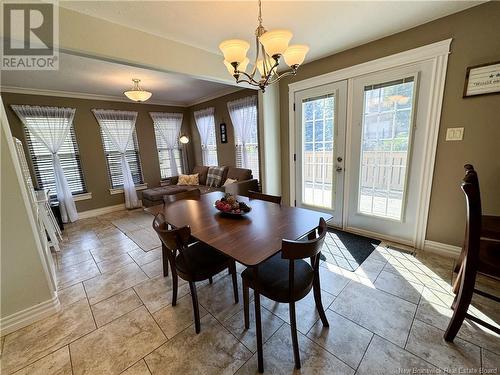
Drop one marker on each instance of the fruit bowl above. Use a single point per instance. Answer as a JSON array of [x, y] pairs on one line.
[[229, 206]]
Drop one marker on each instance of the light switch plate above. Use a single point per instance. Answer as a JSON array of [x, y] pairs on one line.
[[454, 134]]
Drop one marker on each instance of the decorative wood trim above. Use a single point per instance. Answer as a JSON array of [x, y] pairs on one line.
[[82, 197], [442, 249], [81, 95], [30, 315], [436, 51]]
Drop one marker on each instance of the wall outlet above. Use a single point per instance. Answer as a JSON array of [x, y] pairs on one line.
[[454, 134]]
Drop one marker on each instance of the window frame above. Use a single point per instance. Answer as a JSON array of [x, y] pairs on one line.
[[129, 153], [32, 144]]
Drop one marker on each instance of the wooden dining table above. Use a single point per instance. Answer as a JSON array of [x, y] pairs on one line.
[[250, 239]]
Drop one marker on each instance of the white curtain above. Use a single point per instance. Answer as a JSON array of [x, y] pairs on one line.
[[168, 126], [119, 127], [205, 122], [51, 126], [243, 114]]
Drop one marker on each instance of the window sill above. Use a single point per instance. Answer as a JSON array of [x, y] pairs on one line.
[[82, 197], [120, 190]]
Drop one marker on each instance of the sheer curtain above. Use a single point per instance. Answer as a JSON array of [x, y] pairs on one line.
[[168, 126], [119, 126], [51, 126], [205, 122], [243, 113]]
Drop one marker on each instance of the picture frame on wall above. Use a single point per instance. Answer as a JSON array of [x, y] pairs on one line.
[[482, 79], [223, 133]]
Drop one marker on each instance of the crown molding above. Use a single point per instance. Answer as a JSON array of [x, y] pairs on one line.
[[81, 95], [218, 94]]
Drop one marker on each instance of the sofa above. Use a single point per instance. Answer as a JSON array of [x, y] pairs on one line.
[[244, 183]]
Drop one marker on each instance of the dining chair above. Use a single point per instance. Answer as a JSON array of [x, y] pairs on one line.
[[192, 262], [264, 197], [478, 255], [287, 278], [169, 199]]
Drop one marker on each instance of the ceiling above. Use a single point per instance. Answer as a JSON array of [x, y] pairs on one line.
[[81, 75], [327, 26]]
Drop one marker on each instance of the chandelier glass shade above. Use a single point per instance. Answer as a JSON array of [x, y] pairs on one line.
[[137, 94], [271, 46]]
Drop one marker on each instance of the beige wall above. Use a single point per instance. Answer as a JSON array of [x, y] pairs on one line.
[[225, 151], [476, 40], [23, 281], [90, 145]]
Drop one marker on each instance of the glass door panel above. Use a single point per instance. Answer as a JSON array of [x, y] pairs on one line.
[[385, 140], [317, 151], [320, 136]]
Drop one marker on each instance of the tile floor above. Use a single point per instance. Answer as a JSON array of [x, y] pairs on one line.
[[387, 317]]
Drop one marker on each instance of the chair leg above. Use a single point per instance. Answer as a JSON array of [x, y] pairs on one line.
[[196, 308], [317, 300], [295, 341], [258, 329], [210, 280], [246, 305], [461, 305], [175, 282], [164, 260], [234, 275]]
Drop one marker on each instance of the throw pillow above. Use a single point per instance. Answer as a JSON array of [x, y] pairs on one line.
[[214, 176], [229, 181], [188, 179]]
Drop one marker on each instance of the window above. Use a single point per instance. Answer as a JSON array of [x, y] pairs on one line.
[[243, 114], [387, 122], [113, 160], [42, 158], [167, 132], [205, 122]]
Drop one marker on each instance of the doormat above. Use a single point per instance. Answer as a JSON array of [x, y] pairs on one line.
[[347, 250]]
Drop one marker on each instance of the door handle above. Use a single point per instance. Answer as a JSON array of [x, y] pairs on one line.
[[339, 169]]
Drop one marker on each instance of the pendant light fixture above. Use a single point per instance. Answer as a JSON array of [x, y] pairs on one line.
[[271, 46], [137, 94]]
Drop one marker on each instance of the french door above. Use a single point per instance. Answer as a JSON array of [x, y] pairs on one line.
[[382, 147], [320, 115], [386, 158]]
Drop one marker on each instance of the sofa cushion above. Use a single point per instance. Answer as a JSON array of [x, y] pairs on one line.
[[189, 179], [240, 174], [156, 194], [202, 173], [216, 176]]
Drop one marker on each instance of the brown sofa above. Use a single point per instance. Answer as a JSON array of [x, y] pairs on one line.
[[245, 182]]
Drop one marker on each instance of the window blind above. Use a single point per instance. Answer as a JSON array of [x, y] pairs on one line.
[[164, 157], [113, 161], [42, 161]]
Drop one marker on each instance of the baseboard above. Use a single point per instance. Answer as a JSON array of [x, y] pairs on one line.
[[378, 236], [101, 211], [442, 249], [28, 316]]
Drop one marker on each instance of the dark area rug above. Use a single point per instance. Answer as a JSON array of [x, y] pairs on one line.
[[347, 250]]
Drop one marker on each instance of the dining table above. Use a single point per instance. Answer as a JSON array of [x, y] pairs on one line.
[[249, 239]]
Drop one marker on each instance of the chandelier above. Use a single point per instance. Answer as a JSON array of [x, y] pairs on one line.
[[270, 47], [137, 94]]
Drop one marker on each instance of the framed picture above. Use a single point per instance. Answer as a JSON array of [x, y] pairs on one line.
[[223, 133], [482, 79]]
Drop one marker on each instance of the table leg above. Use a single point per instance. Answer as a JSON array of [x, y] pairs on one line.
[[258, 323]]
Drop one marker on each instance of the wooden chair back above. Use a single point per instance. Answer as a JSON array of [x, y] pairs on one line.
[[470, 187], [190, 194], [311, 248], [264, 197], [174, 240]]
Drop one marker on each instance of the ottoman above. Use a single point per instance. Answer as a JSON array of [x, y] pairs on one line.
[[154, 196]]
